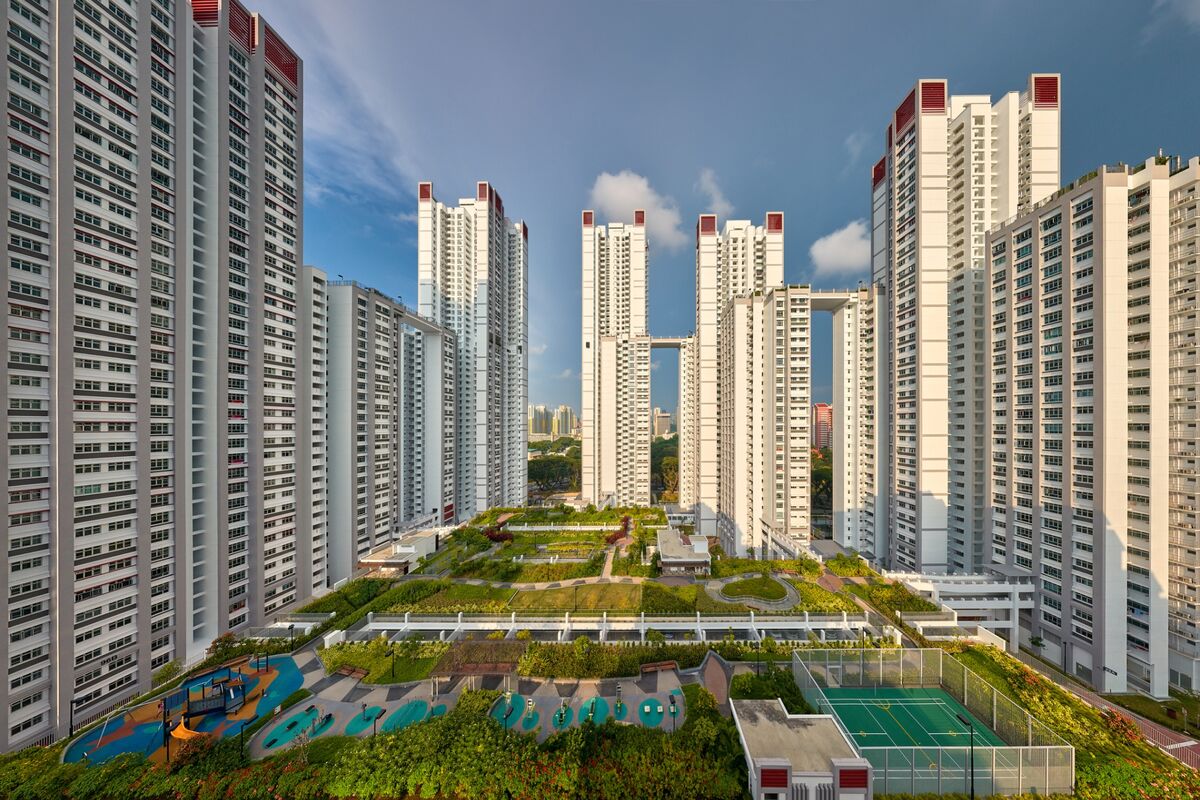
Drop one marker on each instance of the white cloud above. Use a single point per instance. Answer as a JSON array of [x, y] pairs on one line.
[[843, 252], [718, 203], [654, 365], [616, 197], [405, 217], [855, 144], [537, 349], [1166, 13], [567, 374]]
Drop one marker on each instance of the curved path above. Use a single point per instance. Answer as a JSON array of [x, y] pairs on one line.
[[716, 590]]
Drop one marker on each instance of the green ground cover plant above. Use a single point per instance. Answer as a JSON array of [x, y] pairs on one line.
[[1112, 760], [767, 684], [891, 597], [848, 565], [414, 660], [760, 587], [819, 600]]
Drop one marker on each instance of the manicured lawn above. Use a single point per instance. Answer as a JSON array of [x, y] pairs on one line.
[[761, 587], [819, 600], [465, 597], [373, 657], [595, 597]]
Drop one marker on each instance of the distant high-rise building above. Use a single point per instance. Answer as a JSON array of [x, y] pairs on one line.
[[391, 380], [740, 260], [473, 273], [822, 425], [661, 424], [163, 393], [953, 167], [564, 422], [540, 421], [616, 363]]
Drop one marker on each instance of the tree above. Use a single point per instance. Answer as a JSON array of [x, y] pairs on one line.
[[670, 474]]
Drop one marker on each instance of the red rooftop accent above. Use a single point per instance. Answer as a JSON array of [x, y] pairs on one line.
[[775, 222], [852, 779], [280, 56], [241, 26], [482, 191], [639, 217], [708, 224], [524, 231], [1045, 91], [906, 111], [205, 12], [588, 219], [879, 172], [775, 779], [425, 191], [933, 97]]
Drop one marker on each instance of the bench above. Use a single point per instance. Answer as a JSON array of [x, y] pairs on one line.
[[660, 666]]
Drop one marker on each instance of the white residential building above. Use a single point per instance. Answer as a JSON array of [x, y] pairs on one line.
[[765, 371], [160, 382], [615, 375], [740, 260], [391, 423], [472, 265], [1093, 409], [954, 165]]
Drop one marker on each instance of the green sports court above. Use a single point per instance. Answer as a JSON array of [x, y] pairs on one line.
[[906, 717]]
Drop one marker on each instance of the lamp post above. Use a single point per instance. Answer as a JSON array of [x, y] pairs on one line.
[[971, 728], [375, 723], [674, 711], [292, 636], [392, 653]]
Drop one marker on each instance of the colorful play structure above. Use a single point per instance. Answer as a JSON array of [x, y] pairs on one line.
[[218, 704]]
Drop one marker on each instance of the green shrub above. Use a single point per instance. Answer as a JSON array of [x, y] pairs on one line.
[[848, 565], [773, 682]]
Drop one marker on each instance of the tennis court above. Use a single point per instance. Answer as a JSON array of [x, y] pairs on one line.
[[906, 717]]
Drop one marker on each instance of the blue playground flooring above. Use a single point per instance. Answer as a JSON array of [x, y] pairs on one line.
[[408, 714]]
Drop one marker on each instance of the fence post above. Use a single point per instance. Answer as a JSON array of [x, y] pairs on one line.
[[994, 708]]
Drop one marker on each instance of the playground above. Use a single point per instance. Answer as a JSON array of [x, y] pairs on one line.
[[217, 703]]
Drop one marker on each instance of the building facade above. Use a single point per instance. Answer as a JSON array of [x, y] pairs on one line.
[[564, 422], [660, 422], [472, 270], [741, 259], [1093, 341], [391, 421], [615, 372], [540, 421], [154, 190], [765, 444], [954, 165], [822, 425]]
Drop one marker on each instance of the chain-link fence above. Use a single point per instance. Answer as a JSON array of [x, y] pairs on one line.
[[1035, 760]]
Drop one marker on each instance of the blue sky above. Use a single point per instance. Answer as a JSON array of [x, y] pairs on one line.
[[683, 108]]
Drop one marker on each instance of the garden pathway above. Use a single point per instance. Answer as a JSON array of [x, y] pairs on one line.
[[715, 591], [608, 563]]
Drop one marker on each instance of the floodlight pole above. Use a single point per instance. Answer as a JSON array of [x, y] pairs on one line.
[[971, 727]]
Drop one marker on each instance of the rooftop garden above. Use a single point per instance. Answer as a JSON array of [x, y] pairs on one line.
[[1112, 760], [439, 757]]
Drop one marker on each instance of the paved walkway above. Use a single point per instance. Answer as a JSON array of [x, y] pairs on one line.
[[608, 562], [1174, 743]]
